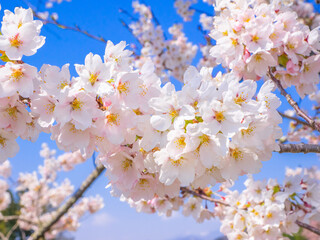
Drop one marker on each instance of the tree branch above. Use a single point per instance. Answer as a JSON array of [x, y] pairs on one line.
[[18, 218], [308, 227], [71, 201], [299, 148], [75, 28], [12, 230], [294, 104], [295, 119]]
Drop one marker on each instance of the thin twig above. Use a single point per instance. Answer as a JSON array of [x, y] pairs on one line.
[[2, 236], [203, 196], [295, 119], [63, 26], [18, 218], [12, 230], [299, 148], [71, 201], [201, 11], [121, 10], [293, 103], [130, 30]]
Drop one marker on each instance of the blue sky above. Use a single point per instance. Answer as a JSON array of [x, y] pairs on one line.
[[117, 220]]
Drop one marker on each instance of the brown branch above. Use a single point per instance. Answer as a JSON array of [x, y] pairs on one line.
[[2, 236], [201, 11], [130, 30], [308, 227], [295, 119], [203, 196], [299, 148], [63, 26], [71, 201], [12, 230], [18, 218], [294, 104]]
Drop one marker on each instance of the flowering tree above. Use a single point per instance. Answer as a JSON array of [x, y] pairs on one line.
[[165, 149]]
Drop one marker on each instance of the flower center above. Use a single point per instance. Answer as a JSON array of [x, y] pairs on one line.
[[12, 111], [93, 78], [255, 38], [235, 153], [15, 41], [16, 74], [177, 162], [76, 104], [3, 141], [219, 116], [113, 119], [126, 164], [123, 88], [180, 142]]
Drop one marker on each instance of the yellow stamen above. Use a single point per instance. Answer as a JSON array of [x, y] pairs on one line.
[[255, 38], [49, 107], [269, 215], [174, 113], [3, 141], [258, 57], [15, 41], [12, 111], [126, 164], [204, 139], [93, 78], [62, 85], [113, 119], [234, 42], [180, 142], [219, 116], [177, 162], [123, 88], [247, 131], [16, 74], [239, 99], [235, 153], [76, 104]]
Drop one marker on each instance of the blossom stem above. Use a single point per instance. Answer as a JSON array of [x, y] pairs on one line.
[[294, 104], [299, 148], [71, 201]]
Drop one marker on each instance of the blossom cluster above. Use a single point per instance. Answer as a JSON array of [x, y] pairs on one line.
[[40, 194], [252, 37], [166, 206], [267, 209], [49, 3], [151, 139], [20, 34], [5, 198], [183, 9], [264, 210], [154, 139], [171, 57], [210, 131]]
